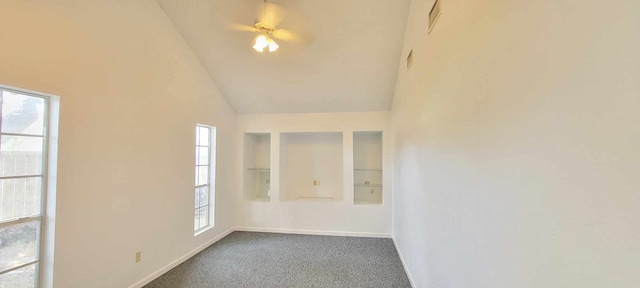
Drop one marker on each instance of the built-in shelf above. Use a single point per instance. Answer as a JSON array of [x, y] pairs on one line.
[[365, 185], [257, 179], [316, 199], [367, 172], [369, 202], [262, 199], [311, 166], [323, 198]]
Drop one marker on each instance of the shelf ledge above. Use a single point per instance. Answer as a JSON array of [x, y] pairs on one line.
[[371, 203], [372, 185]]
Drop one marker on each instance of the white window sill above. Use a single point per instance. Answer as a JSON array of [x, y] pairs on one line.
[[202, 230]]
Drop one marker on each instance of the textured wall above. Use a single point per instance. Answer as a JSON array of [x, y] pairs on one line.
[[516, 145], [131, 93]]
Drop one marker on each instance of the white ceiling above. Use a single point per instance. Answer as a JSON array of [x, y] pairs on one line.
[[351, 64]]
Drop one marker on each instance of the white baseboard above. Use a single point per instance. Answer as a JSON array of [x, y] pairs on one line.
[[314, 232], [404, 264], [165, 269]]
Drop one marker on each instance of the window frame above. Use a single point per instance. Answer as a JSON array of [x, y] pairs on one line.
[[210, 185], [41, 218]]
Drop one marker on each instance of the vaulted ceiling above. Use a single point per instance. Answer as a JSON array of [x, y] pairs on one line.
[[349, 62]]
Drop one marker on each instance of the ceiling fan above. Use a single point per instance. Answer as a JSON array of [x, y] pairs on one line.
[[268, 19]]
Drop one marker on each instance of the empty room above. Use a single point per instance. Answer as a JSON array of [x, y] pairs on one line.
[[325, 144]]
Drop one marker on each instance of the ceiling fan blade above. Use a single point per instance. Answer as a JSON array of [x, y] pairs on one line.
[[271, 13], [295, 28], [286, 35], [240, 27], [300, 39]]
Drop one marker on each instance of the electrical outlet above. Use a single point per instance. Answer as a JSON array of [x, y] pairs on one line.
[[138, 256], [367, 182], [316, 182]]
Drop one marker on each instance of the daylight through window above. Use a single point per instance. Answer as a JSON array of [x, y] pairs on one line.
[[204, 177], [23, 167]]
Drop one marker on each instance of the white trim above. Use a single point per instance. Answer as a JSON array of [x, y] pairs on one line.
[[31, 92], [404, 264], [46, 234], [50, 180], [202, 230], [314, 232], [165, 269]]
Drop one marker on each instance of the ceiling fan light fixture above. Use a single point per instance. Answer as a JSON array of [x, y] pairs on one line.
[[261, 43], [273, 46], [264, 41]]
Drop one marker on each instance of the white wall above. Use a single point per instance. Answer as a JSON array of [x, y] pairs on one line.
[[317, 216], [131, 92], [516, 145], [308, 158], [257, 151]]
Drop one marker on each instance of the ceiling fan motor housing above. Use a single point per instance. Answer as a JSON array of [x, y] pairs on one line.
[[265, 29]]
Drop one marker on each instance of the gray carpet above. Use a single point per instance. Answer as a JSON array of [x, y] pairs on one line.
[[247, 259]]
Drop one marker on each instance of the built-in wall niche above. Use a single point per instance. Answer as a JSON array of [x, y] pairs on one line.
[[257, 163], [311, 166], [367, 168]]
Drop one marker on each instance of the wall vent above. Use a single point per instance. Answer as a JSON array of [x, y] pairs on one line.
[[434, 14], [409, 60]]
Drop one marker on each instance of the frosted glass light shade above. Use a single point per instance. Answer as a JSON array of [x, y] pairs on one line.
[[273, 46], [261, 43]]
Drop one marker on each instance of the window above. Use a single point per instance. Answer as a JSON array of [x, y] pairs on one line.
[[204, 177], [24, 145]]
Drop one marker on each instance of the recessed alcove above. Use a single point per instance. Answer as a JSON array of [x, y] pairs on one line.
[[311, 166], [257, 166], [367, 168]]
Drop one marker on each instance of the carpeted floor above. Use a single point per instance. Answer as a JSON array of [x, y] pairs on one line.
[[247, 259]]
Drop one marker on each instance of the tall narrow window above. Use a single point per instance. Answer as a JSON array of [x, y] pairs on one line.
[[23, 178], [205, 177]]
